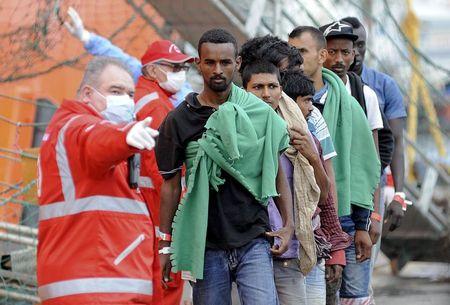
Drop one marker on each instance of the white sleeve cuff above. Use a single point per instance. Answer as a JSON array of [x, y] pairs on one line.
[[85, 36]]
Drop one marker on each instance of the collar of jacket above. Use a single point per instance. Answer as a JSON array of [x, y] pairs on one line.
[[79, 107]]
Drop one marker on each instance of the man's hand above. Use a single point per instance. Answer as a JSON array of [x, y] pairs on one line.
[[166, 266], [75, 25], [394, 215], [374, 231], [303, 144], [141, 135], [363, 245], [333, 272], [285, 235]]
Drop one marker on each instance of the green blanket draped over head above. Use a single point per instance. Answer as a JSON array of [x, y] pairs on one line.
[[356, 166], [244, 138]]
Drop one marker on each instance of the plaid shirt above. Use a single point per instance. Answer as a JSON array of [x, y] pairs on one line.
[[330, 228]]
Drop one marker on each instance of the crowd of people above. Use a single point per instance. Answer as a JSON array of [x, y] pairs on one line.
[[275, 185]]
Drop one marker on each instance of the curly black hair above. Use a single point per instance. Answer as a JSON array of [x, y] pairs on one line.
[[269, 48], [297, 84], [217, 36]]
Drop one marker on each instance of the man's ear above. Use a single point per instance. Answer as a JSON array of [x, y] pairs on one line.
[[144, 71], [150, 71], [197, 62], [353, 56], [85, 94], [238, 62], [323, 54]]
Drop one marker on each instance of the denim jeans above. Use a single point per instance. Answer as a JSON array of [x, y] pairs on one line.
[[356, 276], [315, 285], [249, 266], [290, 282]]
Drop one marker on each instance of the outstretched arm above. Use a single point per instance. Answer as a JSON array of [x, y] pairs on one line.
[[98, 45]]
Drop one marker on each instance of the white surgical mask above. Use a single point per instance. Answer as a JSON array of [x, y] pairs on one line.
[[175, 81], [119, 108]]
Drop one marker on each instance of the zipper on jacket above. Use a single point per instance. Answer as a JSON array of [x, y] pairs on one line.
[[129, 249]]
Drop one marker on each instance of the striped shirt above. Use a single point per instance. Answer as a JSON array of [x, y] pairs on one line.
[[319, 128]]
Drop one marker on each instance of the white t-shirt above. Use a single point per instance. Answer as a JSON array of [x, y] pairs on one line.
[[372, 107]]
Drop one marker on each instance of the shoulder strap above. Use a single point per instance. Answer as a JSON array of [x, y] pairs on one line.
[[356, 86]]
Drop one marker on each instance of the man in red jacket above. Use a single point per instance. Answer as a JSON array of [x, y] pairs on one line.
[[96, 236], [164, 70]]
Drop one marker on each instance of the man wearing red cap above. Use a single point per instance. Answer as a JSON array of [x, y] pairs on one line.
[[163, 74]]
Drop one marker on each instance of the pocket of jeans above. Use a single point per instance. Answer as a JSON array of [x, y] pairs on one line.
[[321, 266], [131, 247]]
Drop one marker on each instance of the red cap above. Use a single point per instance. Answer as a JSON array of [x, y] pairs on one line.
[[164, 50]]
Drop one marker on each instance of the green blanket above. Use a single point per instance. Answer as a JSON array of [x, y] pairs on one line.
[[356, 166], [243, 137]]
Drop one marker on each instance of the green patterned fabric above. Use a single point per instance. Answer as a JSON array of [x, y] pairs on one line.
[[244, 138], [356, 166]]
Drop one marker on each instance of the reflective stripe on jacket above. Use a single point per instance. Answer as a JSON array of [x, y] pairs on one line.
[[96, 237]]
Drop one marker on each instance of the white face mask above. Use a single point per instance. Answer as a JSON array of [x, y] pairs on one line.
[[119, 108], [175, 81]]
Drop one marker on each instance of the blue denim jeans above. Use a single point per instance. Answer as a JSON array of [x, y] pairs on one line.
[[315, 285], [290, 282], [249, 266], [356, 276]]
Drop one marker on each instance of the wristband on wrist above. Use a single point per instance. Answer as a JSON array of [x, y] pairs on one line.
[[164, 250], [164, 236], [161, 236], [375, 216], [400, 198]]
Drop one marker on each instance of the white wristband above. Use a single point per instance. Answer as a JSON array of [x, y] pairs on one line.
[[401, 194], [85, 36], [164, 250]]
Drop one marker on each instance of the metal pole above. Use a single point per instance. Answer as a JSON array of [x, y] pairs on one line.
[[18, 239], [18, 228], [277, 17], [19, 296], [254, 17]]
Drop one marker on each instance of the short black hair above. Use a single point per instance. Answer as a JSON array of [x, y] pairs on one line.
[[271, 49], [316, 34], [296, 84], [356, 24], [217, 36], [259, 67]]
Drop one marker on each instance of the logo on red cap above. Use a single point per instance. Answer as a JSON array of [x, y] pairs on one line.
[[164, 50], [173, 48]]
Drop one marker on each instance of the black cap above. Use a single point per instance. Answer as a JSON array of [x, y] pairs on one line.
[[338, 29]]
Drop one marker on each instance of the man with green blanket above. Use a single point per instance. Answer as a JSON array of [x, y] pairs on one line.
[[230, 143], [356, 165]]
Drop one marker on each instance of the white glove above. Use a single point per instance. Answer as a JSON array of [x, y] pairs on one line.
[[76, 27], [141, 136]]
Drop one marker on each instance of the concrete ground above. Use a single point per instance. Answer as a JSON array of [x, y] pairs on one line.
[[418, 283]]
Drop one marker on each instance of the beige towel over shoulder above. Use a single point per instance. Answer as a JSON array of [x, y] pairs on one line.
[[306, 190]]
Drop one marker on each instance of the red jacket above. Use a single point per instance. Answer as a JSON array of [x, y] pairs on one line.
[[96, 237], [151, 100]]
